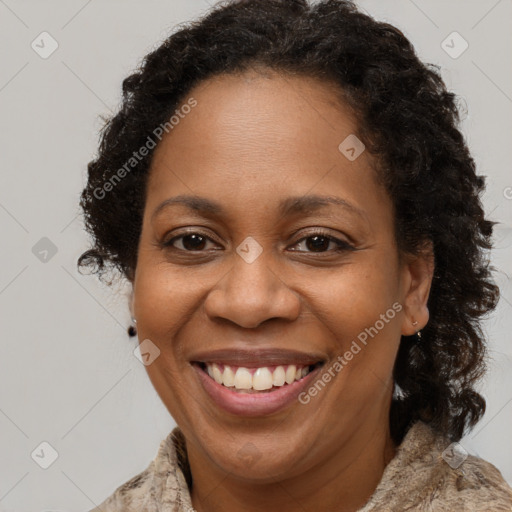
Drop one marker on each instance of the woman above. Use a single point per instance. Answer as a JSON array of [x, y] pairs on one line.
[[287, 191]]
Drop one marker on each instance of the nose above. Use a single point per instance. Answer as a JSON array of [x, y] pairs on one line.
[[251, 293]]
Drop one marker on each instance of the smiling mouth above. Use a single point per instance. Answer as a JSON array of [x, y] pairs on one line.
[[256, 380]]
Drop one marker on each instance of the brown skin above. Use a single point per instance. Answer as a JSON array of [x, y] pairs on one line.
[[251, 141]]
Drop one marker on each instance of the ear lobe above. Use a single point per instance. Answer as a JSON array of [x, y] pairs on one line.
[[419, 271]]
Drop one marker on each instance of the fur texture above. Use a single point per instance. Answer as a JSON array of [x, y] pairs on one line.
[[417, 479]]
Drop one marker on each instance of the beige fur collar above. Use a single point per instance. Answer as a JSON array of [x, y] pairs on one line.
[[416, 479]]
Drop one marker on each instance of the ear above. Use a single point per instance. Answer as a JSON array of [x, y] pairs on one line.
[[417, 275]]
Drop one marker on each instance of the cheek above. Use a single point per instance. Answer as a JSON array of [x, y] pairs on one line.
[[361, 312], [164, 302], [354, 299], [163, 299]]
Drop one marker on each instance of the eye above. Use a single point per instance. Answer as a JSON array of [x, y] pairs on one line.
[[320, 241], [191, 241]]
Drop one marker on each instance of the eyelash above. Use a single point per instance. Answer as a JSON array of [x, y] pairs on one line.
[[341, 246]]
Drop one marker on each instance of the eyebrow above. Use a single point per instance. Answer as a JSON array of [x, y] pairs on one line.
[[290, 206]]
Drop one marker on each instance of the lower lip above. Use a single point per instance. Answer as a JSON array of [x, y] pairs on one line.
[[253, 404]]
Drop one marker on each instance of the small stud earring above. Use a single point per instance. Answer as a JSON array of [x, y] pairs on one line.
[[132, 330], [418, 333]]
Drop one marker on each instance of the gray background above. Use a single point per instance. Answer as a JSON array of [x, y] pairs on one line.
[[68, 375]]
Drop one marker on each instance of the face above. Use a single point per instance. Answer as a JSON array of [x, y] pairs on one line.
[[257, 284]]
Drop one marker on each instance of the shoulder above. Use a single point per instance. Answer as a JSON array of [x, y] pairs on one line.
[[424, 475], [478, 485]]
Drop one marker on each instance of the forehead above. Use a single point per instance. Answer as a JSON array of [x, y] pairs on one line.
[[252, 139], [279, 117]]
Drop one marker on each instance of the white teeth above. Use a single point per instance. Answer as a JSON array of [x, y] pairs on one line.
[[228, 377], [217, 375], [278, 376], [290, 374], [261, 378], [243, 378]]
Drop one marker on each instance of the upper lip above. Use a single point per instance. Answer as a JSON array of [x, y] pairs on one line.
[[254, 358]]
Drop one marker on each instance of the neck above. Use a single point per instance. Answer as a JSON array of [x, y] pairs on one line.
[[344, 482]]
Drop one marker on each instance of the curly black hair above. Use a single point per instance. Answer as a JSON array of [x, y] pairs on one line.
[[407, 119]]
